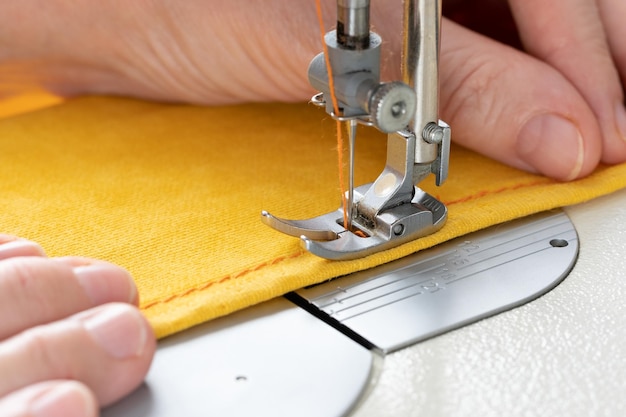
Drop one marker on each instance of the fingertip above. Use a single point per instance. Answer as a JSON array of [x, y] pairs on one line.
[[11, 247], [119, 329], [107, 282], [64, 399], [103, 282], [126, 336]]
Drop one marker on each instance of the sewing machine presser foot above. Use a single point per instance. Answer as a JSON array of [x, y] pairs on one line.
[[326, 237]]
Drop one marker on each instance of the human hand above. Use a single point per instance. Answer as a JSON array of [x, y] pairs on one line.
[[70, 338], [557, 109]]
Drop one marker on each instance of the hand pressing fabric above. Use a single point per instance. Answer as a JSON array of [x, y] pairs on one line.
[[556, 108], [71, 338]]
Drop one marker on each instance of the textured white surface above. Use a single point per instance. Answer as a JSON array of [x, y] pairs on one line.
[[563, 354]]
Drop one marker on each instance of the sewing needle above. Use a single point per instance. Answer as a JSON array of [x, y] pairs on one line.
[[351, 143]]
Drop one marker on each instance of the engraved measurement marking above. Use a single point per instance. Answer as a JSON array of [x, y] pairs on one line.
[[369, 289], [508, 261], [345, 313], [347, 289], [535, 231], [518, 248], [440, 279], [381, 296]]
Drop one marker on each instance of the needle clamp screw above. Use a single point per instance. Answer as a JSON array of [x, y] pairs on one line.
[[391, 106]]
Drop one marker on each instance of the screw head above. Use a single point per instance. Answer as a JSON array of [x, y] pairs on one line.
[[392, 106], [398, 229]]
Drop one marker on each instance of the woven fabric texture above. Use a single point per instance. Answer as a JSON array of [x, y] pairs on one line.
[[174, 194]]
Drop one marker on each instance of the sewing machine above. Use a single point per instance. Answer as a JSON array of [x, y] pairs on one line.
[[348, 347]]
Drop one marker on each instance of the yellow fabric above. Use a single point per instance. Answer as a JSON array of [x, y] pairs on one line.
[[174, 194], [23, 103]]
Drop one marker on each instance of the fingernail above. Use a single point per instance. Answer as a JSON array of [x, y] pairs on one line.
[[620, 117], [20, 247], [103, 283], [119, 329], [62, 400], [552, 145]]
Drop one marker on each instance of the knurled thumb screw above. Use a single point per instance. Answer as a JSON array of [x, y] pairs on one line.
[[392, 106]]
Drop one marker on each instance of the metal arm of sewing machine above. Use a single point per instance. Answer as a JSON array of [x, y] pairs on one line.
[[391, 210]]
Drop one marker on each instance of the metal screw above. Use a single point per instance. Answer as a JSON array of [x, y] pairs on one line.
[[398, 109], [433, 133]]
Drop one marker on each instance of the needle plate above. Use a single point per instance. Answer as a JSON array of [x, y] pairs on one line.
[[449, 286]]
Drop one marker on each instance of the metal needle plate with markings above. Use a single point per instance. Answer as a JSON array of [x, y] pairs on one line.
[[275, 359], [454, 284]]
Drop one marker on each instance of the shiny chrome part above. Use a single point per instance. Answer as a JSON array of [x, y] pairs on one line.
[[394, 186], [433, 133], [422, 216], [441, 133], [420, 67], [451, 285], [316, 228], [350, 200], [353, 23]]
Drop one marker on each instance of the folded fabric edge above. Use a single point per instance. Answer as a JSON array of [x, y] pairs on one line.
[[478, 211]]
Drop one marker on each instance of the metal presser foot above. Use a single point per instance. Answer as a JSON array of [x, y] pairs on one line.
[[391, 210]]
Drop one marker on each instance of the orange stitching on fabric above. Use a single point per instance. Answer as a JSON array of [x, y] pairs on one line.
[[498, 191], [236, 275]]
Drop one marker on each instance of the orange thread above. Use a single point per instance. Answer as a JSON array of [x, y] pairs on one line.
[[498, 191], [333, 97], [222, 280]]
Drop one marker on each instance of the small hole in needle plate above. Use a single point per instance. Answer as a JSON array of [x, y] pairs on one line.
[[559, 243]]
